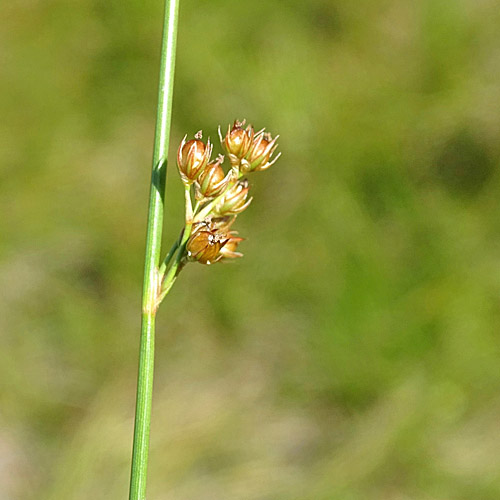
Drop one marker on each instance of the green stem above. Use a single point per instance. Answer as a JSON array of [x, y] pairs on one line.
[[196, 207], [152, 259], [168, 258], [189, 205], [178, 264]]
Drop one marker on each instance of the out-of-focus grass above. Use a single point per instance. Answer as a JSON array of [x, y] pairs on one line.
[[354, 352]]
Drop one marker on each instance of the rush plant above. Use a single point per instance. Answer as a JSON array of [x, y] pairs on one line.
[[213, 200]]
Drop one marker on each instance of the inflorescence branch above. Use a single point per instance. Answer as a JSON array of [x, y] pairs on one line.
[[214, 199]]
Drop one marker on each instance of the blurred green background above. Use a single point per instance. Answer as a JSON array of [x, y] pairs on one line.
[[354, 352]]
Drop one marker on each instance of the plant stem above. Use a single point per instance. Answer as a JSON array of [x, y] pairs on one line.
[[168, 258], [178, 264], [152, 259]]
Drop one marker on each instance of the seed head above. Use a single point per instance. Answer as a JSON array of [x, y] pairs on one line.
[[192, 158], [237, 141], [212, 181], [235, 200], [204, 246], [259, 155]]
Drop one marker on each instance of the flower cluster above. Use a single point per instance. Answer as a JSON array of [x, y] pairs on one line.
[[219, 196]]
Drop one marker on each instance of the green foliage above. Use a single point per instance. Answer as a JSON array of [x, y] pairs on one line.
[[353, 353]]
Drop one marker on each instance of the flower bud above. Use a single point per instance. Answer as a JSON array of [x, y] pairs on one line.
[[235, 200], [237, 141], [259, 155], [192, 158], [212, 181], [205, 246], [228, 251]]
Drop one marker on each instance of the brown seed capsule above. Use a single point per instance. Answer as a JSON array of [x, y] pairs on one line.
[[212, 181], [205, 246], [237, 141], [259, 155], [235, 200], [192, 158]]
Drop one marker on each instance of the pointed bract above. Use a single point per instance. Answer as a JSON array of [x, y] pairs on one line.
[[228, 251]]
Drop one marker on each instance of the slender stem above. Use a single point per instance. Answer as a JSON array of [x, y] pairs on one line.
[[171, 277], [179, 262], [152, 259], [196, 207], [168, 258], [189, 205]]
